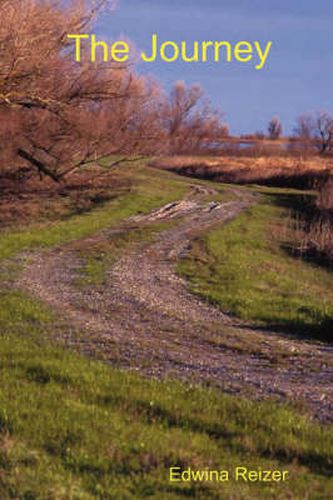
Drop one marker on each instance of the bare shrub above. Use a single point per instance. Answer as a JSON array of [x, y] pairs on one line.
[[312, 239], [312, 233], [320, 237], [274, 128], [315, 130], [325, 196]]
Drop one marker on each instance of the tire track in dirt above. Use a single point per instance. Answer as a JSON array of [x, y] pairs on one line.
[[145, 319]]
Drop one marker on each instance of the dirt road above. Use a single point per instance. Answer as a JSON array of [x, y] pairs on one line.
[[144, 319]]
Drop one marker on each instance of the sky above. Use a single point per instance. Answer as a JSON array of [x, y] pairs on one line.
[[297, 78]]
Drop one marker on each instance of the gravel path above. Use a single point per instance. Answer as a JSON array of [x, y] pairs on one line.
[[144, 318]]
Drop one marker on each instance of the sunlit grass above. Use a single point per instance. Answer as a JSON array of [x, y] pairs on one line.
[[73, 426], [243, 268]]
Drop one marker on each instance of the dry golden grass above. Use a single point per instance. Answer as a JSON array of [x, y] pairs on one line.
[[271, 170], [311, 230], [320, 233]]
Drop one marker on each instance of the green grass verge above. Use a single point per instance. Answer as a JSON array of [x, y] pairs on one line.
[[75, 428], [150, 189], [243, 268]]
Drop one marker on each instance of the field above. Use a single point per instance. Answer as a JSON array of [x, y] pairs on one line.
[[79, 419], [275, 170]]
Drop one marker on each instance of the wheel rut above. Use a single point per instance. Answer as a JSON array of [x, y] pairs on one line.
[[144, 318]]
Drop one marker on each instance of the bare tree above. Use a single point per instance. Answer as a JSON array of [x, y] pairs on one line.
[[190, 122], [316, 128], [305, 127], [324, 131], [58, 114], [274, 128]]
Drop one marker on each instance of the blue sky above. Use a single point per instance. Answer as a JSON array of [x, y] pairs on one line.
[[297, 77]]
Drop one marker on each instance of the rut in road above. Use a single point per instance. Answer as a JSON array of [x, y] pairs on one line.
[[144, 318]]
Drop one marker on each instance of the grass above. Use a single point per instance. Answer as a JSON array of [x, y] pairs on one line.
[[150, 189], [72, 427], [243, 268], [272, 170], [98, 258], [75, 428]]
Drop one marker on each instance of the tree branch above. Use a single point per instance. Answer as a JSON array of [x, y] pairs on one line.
[[38, 164]]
